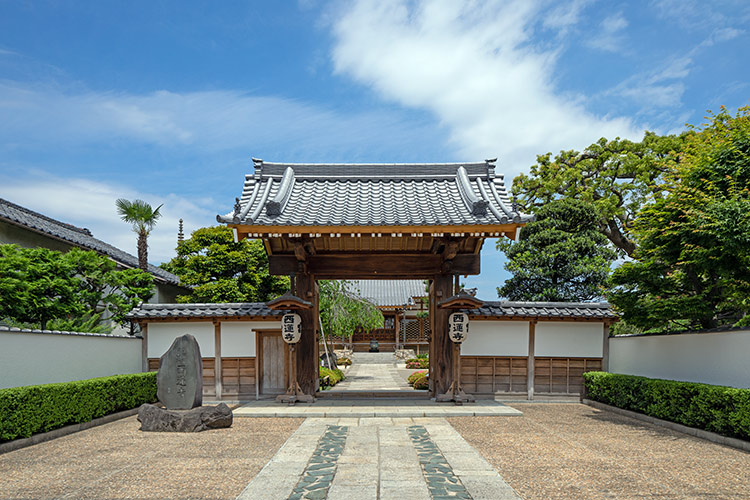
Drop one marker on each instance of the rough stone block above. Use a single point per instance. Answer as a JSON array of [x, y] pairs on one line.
[[155, 419]]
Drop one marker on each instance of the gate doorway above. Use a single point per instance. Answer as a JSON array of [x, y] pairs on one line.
[[273, 366]]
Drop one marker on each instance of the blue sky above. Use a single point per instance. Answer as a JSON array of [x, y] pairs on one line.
[[167, 101]]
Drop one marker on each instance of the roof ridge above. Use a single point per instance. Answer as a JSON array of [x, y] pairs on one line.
[[88, 240], [67, 225]]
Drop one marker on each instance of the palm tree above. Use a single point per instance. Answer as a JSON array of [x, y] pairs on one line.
[[143, 217]]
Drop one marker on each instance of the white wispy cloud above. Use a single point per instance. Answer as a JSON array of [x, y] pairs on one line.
[[474, 66], [610, 36], [208, 121], [89, 204]]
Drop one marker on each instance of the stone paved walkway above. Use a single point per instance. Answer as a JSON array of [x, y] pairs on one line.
[[361, 408], [377, 458], [372, 372]]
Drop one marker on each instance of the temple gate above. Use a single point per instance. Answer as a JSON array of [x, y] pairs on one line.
[[377, 221]]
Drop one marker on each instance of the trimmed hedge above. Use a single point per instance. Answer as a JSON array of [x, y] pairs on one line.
[[40, 408], [414, 376], [422, 383], [334, 377], [417, 363], [715, 408]]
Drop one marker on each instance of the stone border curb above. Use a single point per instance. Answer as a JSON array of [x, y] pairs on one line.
[[692, 431], [17, 444]]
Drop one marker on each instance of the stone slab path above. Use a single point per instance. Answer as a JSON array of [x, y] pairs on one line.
[[361, 408], [379, 459], [372, 371]]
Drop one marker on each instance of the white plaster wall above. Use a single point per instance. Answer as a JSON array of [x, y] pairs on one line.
[[238, 337], [572, 339], [497, 338], [161, 336], [721, 358], [41, 358]]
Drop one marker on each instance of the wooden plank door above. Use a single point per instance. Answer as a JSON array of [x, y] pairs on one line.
[[273, 356]]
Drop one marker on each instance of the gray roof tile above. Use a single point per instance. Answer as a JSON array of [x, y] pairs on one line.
[[289, 194], [236, 309], [596, 310], [389, 292], [76, 236], [10, 329]]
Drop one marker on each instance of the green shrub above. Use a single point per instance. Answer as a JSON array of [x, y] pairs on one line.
[[329, 378], [40, 408], [417, 363], [344, 361], [422, 383], [724, 410], [414, 376]]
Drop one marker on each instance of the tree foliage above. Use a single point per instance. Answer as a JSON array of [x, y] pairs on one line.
[[616, 176], [559, 257], [39, 286], [343, 310], [692, 267], [220, 270], [143, 218]]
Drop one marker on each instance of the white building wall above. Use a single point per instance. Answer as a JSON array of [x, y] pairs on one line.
[[45, 358], [721, 358], [161, 336], [238, 337], [497, 338], [563, 339]]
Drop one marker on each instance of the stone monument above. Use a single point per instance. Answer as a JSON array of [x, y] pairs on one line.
[[179, 382], [179, 387]]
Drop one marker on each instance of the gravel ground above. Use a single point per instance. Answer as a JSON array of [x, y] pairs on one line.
[[117, 461], [572, 451]]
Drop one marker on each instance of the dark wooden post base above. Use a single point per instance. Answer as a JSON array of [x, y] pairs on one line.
[[294, 392], [455, 392]]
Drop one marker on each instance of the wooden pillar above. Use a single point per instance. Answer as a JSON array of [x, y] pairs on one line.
[[441, 347], [395, 326], [144, 347], [605, 349], [217, 358], [530, 374], [307, 348]]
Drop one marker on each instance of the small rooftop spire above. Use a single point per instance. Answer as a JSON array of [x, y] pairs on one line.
[[180, 234]]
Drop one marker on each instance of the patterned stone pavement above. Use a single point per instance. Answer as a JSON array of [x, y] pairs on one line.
[[382, 458], [372, 371]]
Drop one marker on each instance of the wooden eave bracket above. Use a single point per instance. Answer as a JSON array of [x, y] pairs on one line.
[[289, 301], [461, 301]]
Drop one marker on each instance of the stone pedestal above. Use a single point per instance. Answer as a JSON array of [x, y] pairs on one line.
[[156, 419]]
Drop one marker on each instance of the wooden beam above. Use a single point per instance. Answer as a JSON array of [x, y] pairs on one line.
[[217, 358], [441, 346], [488, 229], [307, 347], [144, 347], [605, 349], [374, 265], [530, 363]]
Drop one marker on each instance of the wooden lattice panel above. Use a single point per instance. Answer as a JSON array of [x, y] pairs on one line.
[[237, 377], [562, 375], [493, 374]]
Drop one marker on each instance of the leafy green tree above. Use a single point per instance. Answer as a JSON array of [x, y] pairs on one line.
[[692, 267], [143, 218], [559, 257], [617, 177], [41, 287], [220, 270], [343, 310]]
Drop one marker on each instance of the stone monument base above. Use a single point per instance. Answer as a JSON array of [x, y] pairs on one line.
[[156, 419]]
